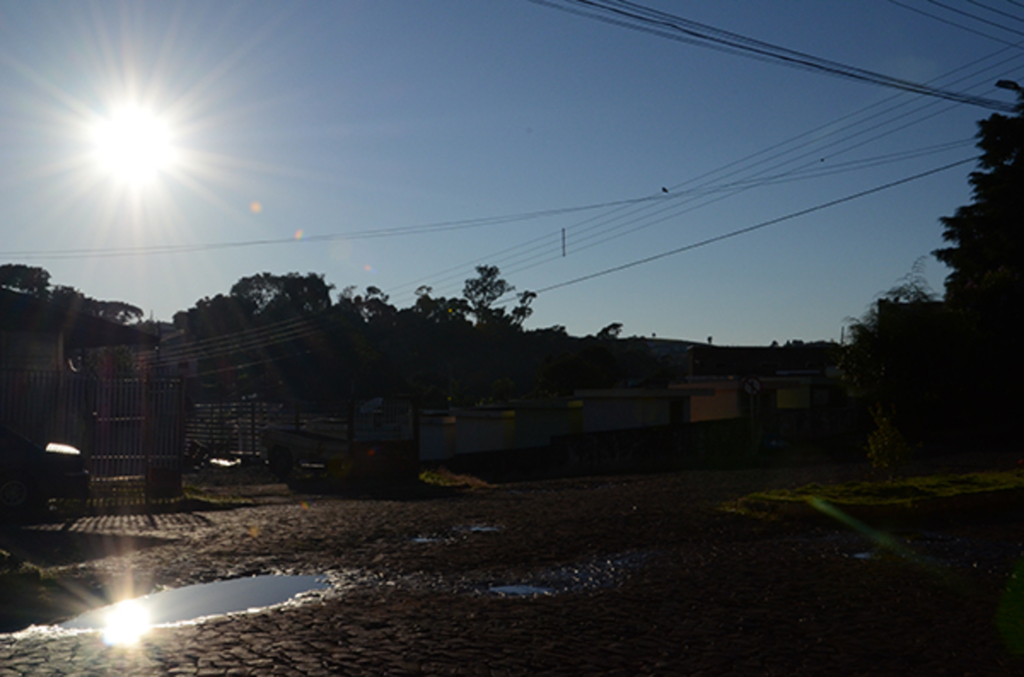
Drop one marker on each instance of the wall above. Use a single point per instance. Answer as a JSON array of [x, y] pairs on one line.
[[437, 437], [484, 430], [31, 350], [718, 444], [537, 423]]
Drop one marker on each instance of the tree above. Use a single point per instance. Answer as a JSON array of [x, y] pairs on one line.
[[910, 353], [278, 297], [986, 252], [523, 310], [118, 312], [30, 280], [611, 332], [593, 367], [986, 255], [484, 290], [440, 310], [481, 292]]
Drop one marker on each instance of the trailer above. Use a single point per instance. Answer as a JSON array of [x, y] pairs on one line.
[[285, 449], [382, 443]]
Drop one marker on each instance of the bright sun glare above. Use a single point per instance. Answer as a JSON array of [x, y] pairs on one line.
[[126, 623], [134, 145]]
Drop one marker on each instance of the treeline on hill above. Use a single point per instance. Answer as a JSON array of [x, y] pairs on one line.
[[35, 282], [289, 337], [285, 337]]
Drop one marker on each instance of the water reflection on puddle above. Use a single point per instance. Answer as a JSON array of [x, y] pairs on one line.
[[598, 573], [520, 590], [478, 529], [195, 602]]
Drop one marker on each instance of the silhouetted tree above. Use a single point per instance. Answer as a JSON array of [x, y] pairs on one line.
[[481, 292], [278, 297], [440, 310], [610, 332], [986, 254], [523, 309], [593, 367], [35, 282], [987, 236], [911, 354], [30, 280]]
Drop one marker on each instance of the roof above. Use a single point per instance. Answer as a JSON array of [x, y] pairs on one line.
[[20, 312]]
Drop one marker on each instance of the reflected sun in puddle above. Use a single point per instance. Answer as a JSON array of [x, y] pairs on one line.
[[126, 622]]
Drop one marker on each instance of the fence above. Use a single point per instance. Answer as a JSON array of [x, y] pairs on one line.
[[125, 427], [233, 428]]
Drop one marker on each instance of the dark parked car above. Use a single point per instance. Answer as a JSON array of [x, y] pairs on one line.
[[31, 474]]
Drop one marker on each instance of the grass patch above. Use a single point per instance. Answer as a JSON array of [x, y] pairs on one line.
[[194, 495], [442, 477], [905, 491]]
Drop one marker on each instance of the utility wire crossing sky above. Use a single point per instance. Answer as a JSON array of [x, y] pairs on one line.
[[156, 152]]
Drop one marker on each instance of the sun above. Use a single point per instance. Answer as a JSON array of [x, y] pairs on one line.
[[126, 623], [133, 145]]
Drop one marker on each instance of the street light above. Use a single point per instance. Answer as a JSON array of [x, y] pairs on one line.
[[1009, 84]]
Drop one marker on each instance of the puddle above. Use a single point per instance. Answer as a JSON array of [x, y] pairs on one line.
[[520, 590], [605, 572], [427, 539], [477, 529], [194, 602], [929, 548]]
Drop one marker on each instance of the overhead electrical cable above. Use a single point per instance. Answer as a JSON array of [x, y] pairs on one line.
[[755, 227], [233, 344], [948, 22], [667, 213], [781, 149], [248, 339], [812, 137], [442, 226], [995, 11], [975, 17], [638, 17]]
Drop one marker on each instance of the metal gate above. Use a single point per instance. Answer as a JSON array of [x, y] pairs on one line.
[[125, 427]]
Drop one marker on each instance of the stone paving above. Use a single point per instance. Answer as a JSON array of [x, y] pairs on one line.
[[645, 576]]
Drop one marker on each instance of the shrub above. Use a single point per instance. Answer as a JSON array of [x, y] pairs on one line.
[[887, 448]]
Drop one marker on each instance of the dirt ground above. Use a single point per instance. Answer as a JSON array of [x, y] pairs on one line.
[[634, 574]]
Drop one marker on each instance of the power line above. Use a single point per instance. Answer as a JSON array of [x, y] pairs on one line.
[[813, 137], [974, 17], [952, 23], [995, 11], [443, 226], [811, 141], [637, 17], [758, 226]]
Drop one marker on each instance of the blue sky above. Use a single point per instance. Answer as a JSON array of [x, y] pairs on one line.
[[347, 119]]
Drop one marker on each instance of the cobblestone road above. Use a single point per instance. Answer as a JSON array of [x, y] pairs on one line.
[[646, 578]]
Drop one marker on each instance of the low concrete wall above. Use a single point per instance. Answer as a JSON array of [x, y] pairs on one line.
[[707, 444]]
